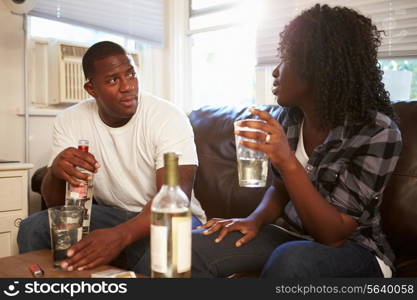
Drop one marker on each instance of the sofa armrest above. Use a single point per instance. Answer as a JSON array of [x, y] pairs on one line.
[[37, 177]]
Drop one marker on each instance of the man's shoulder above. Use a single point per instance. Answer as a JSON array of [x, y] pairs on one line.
[[153, 100], [157, 106], [85, 107]]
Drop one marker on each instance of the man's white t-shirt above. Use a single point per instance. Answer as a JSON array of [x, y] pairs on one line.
[[129, 155]]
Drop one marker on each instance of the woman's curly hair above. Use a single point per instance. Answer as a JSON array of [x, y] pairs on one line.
[[335, 50]]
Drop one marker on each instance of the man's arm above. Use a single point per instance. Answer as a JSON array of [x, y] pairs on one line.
[[103, 245], [53, 189]]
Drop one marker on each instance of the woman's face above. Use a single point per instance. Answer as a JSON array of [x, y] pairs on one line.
[[289, 88]]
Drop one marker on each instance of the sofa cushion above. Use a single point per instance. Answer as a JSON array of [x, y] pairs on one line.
[[399, 206]]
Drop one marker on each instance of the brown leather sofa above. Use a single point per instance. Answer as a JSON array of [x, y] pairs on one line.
[[217, 188]]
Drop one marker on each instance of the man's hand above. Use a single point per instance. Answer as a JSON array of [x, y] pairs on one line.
[[64, 165], [99, 247], [247, 226]]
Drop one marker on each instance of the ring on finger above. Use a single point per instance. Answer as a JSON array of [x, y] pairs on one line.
[[267, 139]]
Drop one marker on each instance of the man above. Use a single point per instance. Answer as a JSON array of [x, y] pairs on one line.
[[128, 133]]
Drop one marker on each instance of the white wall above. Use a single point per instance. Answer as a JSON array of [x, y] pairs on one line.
[[11, 85], [40, 141], [12, 124]]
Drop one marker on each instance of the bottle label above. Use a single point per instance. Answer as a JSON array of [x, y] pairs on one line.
[[181, 231], [159, 248], [79, 234], [78, 192], [86, 204]]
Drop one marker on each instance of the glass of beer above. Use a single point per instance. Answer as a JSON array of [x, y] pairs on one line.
[[252, 165], [66, 229]]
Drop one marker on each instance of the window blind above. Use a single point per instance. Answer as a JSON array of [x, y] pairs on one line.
[[137, 19], [398, 18]]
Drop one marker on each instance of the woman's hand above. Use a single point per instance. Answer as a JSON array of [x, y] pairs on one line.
[[248, 227], [271, 141]]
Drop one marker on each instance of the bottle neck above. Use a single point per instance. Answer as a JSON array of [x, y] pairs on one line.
[[83, 145], [83, 148], [171, 175]]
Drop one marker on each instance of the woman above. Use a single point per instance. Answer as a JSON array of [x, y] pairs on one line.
[[332, 152]]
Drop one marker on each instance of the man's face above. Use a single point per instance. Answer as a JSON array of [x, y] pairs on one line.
[[115, 87]]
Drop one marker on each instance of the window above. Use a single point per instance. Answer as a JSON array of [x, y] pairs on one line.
[[400, 78], [222, 34], [223, 71], [44, 28], [137, 19]]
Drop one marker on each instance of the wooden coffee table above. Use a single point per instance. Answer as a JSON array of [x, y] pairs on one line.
[[17, 266]]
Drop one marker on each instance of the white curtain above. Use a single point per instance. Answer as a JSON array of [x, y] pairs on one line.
[[398, 18], [138, 19]]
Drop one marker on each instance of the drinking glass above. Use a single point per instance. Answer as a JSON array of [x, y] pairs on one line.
[[252, 165], [66, 229]]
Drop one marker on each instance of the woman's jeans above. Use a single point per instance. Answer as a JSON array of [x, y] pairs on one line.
[[34, 235], [279, 255]]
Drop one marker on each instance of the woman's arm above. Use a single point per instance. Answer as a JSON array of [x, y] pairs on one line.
[[320, 219], [272, 205]]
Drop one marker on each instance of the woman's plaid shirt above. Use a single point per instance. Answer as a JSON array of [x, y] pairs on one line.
[[350, 170]]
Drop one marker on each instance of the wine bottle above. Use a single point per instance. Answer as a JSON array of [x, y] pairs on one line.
[[171, 226], [82, 195]]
